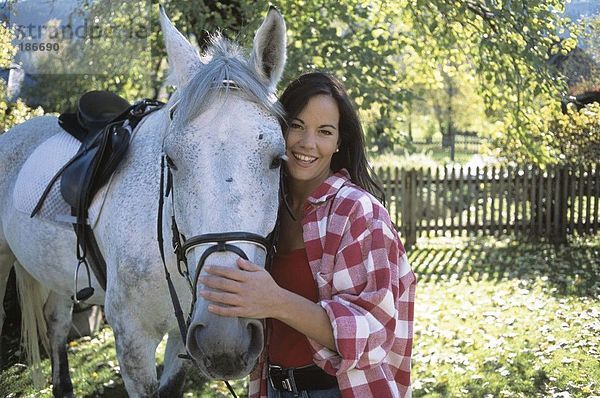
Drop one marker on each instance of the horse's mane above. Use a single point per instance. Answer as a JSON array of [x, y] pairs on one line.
[[222, 62]]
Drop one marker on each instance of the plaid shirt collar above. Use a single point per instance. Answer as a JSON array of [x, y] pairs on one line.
[[329, 187]]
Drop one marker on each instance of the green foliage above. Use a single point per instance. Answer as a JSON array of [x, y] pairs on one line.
[[575, 137], [572, 138], [14, 113], [583, 67], [235, 19], [504, 45], [11, 113], [7, 51], [413, 161], [468, 65]]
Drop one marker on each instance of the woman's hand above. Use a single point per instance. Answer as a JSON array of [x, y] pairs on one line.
[[248, 291], [251, 292]]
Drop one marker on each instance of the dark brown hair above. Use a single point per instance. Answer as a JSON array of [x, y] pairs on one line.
[[351, 155]]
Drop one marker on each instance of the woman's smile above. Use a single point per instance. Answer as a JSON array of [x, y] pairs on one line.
[[304, 159]]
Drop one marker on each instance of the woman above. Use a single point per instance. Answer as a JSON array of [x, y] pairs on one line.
[[340, 296]]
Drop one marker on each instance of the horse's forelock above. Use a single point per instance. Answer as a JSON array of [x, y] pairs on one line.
[[224, 61]]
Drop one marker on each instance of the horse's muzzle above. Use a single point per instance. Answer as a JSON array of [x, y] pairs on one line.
[[225, 348]]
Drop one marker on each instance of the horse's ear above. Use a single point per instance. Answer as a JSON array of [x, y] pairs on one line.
[[269, 51], [184, 60]]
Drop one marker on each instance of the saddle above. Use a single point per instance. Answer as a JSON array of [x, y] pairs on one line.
[[103, 123], [104, 142]]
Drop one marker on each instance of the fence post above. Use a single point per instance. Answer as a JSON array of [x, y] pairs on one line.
[[409, 218], [404, 214], [563, 206]]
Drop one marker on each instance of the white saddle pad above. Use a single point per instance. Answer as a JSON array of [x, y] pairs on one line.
[[35, 175]]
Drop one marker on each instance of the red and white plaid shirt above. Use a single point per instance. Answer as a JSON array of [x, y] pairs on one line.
[[367, 288]]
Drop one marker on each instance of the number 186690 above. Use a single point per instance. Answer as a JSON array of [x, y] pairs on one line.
[[39, 46]]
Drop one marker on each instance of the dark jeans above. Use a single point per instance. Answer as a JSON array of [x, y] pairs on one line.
[[331, 393]]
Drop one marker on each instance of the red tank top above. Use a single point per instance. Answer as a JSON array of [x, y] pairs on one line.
[[287, 347]]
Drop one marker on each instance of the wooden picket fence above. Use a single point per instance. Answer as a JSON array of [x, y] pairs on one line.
[[466, 201]]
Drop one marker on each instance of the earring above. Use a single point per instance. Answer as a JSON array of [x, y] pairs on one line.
[[337, 150]]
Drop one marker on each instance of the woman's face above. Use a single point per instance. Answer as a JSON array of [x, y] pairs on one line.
[[312, 139]]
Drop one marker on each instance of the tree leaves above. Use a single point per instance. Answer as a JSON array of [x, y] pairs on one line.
[[495, 53]]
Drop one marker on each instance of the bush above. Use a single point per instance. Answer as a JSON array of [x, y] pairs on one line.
[[576, 135]]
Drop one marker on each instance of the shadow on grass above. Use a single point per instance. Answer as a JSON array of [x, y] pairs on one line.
[[572, 269]]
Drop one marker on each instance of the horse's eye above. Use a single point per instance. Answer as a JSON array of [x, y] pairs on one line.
[[170, 163], [276, 163]]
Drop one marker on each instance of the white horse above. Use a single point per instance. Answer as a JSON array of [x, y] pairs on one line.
[[221, 135]]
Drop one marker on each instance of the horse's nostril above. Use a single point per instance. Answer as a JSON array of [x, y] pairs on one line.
[[194, 339], [256, 340]]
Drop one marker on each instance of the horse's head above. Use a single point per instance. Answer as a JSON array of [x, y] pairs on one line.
[[224, 145]]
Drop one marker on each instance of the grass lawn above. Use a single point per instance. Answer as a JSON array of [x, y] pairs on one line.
[[503, 319], [494, 318]]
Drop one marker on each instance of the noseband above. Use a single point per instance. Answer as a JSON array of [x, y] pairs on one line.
[[223, 242]]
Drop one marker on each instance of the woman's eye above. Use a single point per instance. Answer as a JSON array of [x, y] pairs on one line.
[[170, 163], [295, 126], [276, 163], [326, 132]]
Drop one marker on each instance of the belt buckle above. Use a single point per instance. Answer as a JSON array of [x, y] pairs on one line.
[[285, 383]]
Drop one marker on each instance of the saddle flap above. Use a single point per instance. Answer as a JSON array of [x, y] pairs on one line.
[[92, 166], [76, 177]]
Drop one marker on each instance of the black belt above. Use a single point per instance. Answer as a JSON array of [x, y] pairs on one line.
[[298, 379]]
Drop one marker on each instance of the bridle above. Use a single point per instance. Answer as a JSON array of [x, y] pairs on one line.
[[217, 242]]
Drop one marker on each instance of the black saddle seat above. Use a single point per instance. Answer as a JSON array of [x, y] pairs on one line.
[[95, 109]]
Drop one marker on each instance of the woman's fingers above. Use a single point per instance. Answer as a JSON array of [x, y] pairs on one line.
[[247, 265], [225, 272], [220, 297], [220, 283], [244, 292], [225, 311]]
